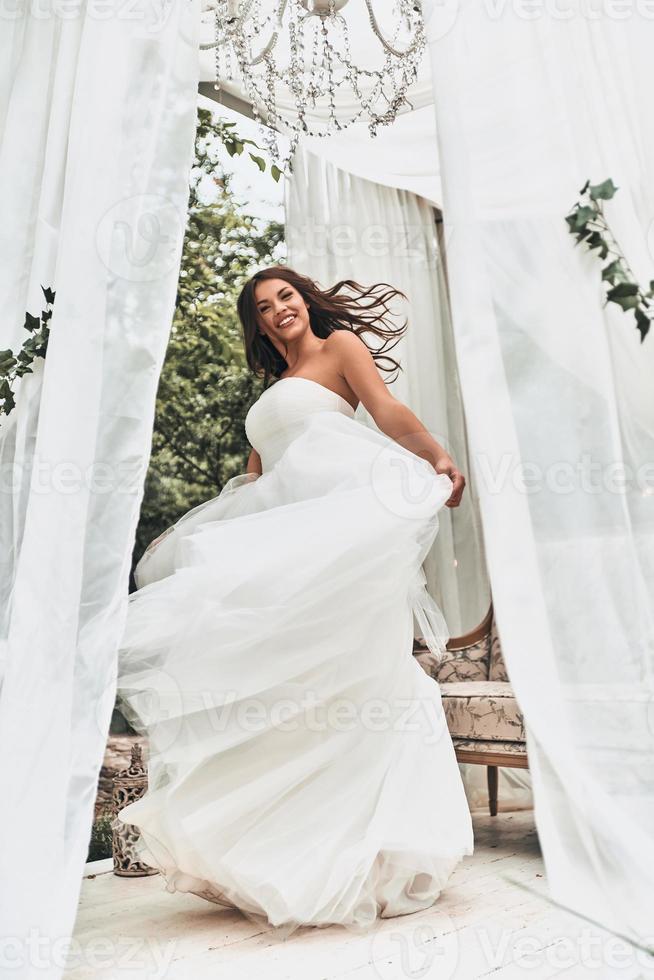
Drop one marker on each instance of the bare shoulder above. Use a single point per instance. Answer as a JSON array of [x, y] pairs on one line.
[[345, 340], [346, 347], [353, 361]]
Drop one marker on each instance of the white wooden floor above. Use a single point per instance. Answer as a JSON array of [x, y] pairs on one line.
[[483, 924]]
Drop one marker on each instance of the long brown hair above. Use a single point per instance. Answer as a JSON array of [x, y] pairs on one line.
[[361, 309]]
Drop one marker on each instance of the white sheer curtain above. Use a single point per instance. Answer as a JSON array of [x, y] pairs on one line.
[[97, 116], [558, 397], [339, 226]]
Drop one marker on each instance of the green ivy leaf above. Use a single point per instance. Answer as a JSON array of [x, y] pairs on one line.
[[642, 322], [595, 240], [585, 187], [603, 191], [275, 173], [624, 302], [9, 402], [7, 361], [622, 290], [583, 216], [613, 271], [12, 367], [260, 162]]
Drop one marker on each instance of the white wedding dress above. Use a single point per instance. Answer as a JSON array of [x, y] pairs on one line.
[[300, 768]]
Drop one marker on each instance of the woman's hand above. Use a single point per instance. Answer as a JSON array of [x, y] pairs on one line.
[[445, 464], [254, 463]]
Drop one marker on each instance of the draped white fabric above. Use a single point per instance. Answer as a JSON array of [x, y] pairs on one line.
[[557, 391], [339, 226], [97, 115]]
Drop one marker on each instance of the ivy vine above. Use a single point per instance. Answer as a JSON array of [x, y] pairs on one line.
[[14, 366], [587, 222], [235, 145]]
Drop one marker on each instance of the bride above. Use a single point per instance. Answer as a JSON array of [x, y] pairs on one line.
[[300, 767]]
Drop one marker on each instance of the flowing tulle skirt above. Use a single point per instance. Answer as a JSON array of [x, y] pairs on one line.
[[300, 766]]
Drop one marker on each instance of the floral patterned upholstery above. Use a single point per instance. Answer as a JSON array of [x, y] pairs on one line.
[[472, 663], [479, 703], [497, 670], [483, 710], [475, 745]]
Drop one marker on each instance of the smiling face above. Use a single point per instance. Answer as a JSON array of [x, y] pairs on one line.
[[283, 313]]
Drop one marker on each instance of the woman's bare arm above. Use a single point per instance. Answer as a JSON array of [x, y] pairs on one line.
[[358, 368], [254, 463]]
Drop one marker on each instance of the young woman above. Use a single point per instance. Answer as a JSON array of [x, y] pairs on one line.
[[300, 767]]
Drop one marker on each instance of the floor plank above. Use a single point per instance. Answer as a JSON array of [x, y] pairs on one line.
[[483, 925]]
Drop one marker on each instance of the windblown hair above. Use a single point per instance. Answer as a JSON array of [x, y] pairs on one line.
[[345, 306]]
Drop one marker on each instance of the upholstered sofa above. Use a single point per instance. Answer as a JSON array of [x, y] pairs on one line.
[[483, 716]]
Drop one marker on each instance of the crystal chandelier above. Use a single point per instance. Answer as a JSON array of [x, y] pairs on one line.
[[294, 62]]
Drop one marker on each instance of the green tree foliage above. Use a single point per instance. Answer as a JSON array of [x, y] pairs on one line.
[[205, 388]]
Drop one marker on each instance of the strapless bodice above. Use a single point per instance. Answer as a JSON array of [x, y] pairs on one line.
[[280, 414]]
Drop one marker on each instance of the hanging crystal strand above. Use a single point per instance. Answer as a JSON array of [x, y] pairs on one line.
[[241, 53], [295, 73], [333, 121], [228, 71], [247, 33], [313, 81], [328, 70], [271, 110], [272, 74], [219, 20], [297, 70], [351, 70]]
